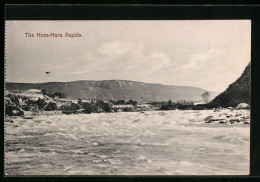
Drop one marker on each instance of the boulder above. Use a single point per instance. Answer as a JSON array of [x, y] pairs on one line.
[[234, 120], [208, 118], [242, 106], [13, 111]]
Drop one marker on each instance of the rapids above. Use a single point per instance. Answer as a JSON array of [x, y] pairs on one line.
[[126, 143]]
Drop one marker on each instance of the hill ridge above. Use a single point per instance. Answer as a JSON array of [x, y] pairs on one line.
[[116, 89]]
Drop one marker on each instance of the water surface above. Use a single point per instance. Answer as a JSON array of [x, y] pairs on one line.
[[127, 143]]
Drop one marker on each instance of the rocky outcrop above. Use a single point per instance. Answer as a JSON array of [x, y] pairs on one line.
[[242, 106], [226, 116], [237, 92]]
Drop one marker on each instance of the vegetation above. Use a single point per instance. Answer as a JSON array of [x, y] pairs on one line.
[[205, 96], [70, 106], [120, 102], [123, 102], [174, 105], [16, 103], [58, 95], [100, 106], [51, 106], [168, 105]]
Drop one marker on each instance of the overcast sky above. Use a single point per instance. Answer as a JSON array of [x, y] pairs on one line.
[[205, 54]]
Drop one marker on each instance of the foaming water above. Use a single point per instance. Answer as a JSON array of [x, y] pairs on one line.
[[127, 143]]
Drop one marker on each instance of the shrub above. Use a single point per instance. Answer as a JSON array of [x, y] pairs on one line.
[[41, 103], [104, 106], [168, 105], [70, 107], [87, 107], [130, 102], [51, 106], [119, 102], [96, 108], [57, 94]]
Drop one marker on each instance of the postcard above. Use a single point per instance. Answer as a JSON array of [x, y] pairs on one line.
[[127, 97]]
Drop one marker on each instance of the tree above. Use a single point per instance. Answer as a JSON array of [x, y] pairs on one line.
[[205, 96]]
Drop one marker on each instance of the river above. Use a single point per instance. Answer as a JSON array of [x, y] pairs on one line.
[[127, 143]]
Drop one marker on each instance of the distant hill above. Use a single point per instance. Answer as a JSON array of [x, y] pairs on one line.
[[237, 92], [116, 89]]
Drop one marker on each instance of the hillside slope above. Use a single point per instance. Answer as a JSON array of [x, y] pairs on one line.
[[116, 89], [237, 92]]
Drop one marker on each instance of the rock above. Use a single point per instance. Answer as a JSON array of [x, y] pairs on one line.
[[216, 120], [245, 117], [246, 122], [10, 121], [234, 120], [230, 108], [13, 111], [242, 106], [222, 122], [208, 118]]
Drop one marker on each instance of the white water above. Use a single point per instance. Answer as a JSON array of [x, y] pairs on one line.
[[150, 143]]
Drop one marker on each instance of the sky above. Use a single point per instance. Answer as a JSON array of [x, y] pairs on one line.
[[209, 54]]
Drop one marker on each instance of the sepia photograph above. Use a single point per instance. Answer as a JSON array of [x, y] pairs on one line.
[[127, 97]]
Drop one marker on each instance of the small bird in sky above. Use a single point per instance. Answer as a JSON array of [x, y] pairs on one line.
[[47, 72]]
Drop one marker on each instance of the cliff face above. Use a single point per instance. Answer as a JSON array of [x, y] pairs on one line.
[[237, 92], [116, 89]]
